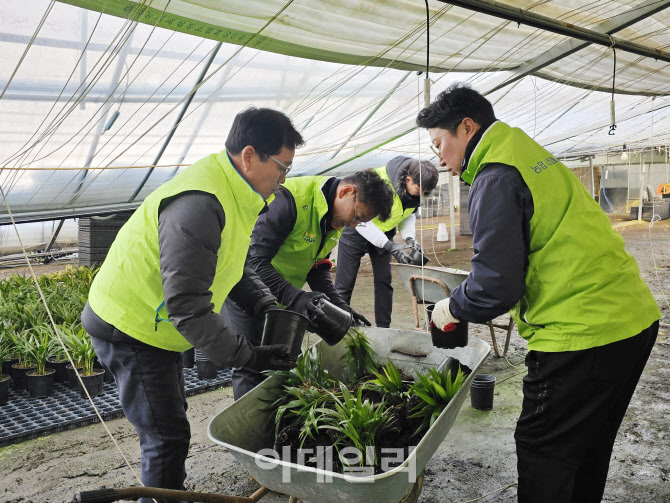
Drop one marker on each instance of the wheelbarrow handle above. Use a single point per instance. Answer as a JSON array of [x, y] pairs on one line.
[[133, 493], [96, 496]]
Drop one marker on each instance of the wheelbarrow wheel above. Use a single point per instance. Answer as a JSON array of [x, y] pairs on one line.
[[414, 492]]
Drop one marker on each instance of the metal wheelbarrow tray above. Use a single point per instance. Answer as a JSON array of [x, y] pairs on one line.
[[244, 427]]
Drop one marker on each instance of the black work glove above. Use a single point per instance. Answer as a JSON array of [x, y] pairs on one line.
[[414, 244], [359, 319], [273, 357], [398, 251], [307, 304], [263, 306]]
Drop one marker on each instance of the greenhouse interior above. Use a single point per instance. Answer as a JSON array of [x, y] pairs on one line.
[[265, 249]]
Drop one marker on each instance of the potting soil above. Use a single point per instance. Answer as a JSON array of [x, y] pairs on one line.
[[24, 417]]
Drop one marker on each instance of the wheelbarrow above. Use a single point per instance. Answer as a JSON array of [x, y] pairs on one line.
[[245, 426], [428, 285]]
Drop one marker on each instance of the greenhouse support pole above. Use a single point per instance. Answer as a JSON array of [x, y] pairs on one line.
[[639, 208], [54, 236], [593, 182], [452, 216], [187, 103]]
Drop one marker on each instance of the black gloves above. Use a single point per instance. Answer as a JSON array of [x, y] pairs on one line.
[[398, 251], [359, 319], [273, 357], [307, 304], [413, 243]]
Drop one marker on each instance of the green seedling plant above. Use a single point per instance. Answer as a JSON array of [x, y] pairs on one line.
[[357, 422], [40, 345], [390, 383], [435, 390], [359, 360]]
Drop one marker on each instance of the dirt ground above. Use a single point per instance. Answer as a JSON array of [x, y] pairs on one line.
[[476, 458]]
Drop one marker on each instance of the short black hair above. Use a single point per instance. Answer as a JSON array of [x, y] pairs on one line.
[[373, 191], [455, 104], [423, 172], [264, 129]]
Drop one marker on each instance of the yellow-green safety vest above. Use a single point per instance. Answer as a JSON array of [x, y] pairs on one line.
[[128, 292], [583, 289], [397, 213], [300, 251]]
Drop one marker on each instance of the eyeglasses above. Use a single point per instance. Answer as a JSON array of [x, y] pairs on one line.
[[435, 151], [357, 220], [283, 167]]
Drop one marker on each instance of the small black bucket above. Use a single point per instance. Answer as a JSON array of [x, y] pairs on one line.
[[481, 391], [205, 369], [334, 324], [418, 258], [284, 327], [189, 358], [457, 338]]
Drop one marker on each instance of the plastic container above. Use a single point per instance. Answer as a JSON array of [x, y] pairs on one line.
[[334, 324], [40, 385], [189, 358], [418, 258], [94, 383], [457, 338], [284, 327], [481, 391], [204, 368]]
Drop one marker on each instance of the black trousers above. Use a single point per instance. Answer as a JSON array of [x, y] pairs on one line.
[[151, 391], [244, 379], [351, 249], [573, 405]]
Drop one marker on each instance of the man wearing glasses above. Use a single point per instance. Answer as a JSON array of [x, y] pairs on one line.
[[162, 285], [291, 243], [410, 180]]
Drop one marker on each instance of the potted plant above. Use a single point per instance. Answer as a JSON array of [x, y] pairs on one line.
[[93, 379], [41, 380], [24, 365], [8, 336], [58, 359], [4, 379]]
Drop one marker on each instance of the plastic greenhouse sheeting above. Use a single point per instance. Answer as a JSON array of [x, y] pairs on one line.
[[355, 101]]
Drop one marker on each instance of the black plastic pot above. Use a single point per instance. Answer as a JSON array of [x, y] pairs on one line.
[[418, 258], [19, 375], [481, 391], [4, 390], [206, 369], [457, 338], [189, 358], [73, 382], [93, 383], [333, 324], [284, 327], [7, 365], [59, 367], [40, 385], [109, 377]]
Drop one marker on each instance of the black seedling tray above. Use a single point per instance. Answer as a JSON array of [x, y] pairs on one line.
[[24, 417]]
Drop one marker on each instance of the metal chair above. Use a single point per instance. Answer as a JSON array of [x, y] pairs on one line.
[[440, 284]]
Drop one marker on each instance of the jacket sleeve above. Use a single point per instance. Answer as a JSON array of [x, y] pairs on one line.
[[407, 227], [320, 280], [500, 207], [271, 230], [250, 293], [372, 233], [189, 237]]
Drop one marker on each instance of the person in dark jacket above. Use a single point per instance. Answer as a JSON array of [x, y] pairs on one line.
[[162, 285], [291, 245], [410, 180], [545, 250]]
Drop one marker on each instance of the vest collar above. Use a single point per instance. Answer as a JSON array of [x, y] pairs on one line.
[[248, 200], [487, 139]]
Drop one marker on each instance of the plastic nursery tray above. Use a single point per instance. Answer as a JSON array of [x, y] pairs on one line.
[[24, 417]]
